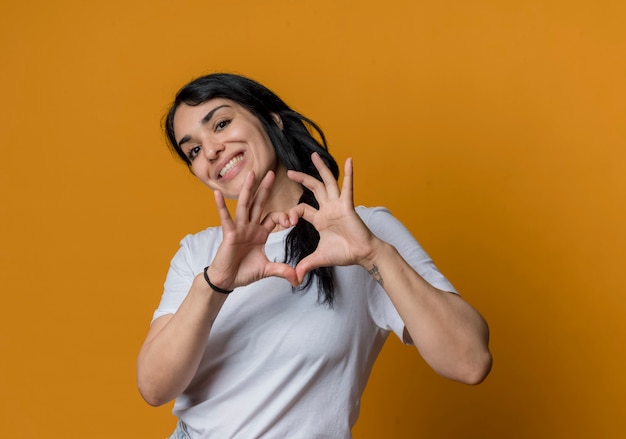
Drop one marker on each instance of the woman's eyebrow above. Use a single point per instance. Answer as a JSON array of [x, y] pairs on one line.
[[207, 117], [210, 114]]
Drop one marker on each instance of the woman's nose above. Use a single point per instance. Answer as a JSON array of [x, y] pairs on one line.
[[212, 150]]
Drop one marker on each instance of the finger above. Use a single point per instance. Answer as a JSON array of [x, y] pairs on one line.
[[244, 199], [304, 211], [273, 219], [222, 210], [313, 184], [261, 197], [347, 186], [307, 264], [327, 177], [285, 271]]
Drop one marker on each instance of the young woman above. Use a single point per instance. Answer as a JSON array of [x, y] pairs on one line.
[[270, 324]]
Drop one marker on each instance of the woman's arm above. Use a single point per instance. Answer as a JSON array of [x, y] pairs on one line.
[[175, 344], [171, 353], [450, 334]]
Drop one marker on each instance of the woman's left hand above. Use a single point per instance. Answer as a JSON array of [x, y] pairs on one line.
[[451, 335], [344, 238]]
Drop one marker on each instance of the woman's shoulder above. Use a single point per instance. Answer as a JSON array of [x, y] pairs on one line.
[[383, 223], [369, 214], [204, 239]]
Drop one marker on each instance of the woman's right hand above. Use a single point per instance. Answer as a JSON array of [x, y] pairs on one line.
[[240, 258]]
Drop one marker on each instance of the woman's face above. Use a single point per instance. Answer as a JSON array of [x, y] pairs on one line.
[[223, 141]]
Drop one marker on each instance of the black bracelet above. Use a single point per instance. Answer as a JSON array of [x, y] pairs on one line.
[[213, 287]]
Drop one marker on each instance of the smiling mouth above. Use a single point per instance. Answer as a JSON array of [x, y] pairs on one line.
[[231, 164]]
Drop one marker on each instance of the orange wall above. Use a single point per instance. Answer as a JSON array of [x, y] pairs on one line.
[[494, 130]]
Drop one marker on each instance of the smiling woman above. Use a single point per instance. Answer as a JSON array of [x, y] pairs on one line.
[[232, 142], [240, 352]]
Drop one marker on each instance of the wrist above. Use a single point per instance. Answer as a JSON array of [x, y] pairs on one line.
[[375, 262], [372, 254], [205, 295], [216, 288]]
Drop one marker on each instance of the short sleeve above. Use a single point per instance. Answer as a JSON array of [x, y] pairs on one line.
[[195, 253], [385, 226]]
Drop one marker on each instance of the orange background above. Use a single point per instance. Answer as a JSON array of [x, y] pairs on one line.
[[494, 130]]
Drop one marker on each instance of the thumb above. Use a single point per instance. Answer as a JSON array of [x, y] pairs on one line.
[[307, 264], [302, 210], [285, 271]]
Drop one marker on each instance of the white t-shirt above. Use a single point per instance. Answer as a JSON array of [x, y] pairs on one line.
[[278, 364]]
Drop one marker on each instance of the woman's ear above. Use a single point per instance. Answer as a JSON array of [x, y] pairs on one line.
[[278, 120]]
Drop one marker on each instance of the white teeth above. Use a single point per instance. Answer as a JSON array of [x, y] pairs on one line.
[[231, 164]]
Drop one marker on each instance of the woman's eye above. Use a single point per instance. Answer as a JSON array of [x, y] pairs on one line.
[[193, 152], [222, 124]]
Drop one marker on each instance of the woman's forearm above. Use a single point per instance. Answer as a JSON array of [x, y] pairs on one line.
[[450, 334], [170, 356]]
